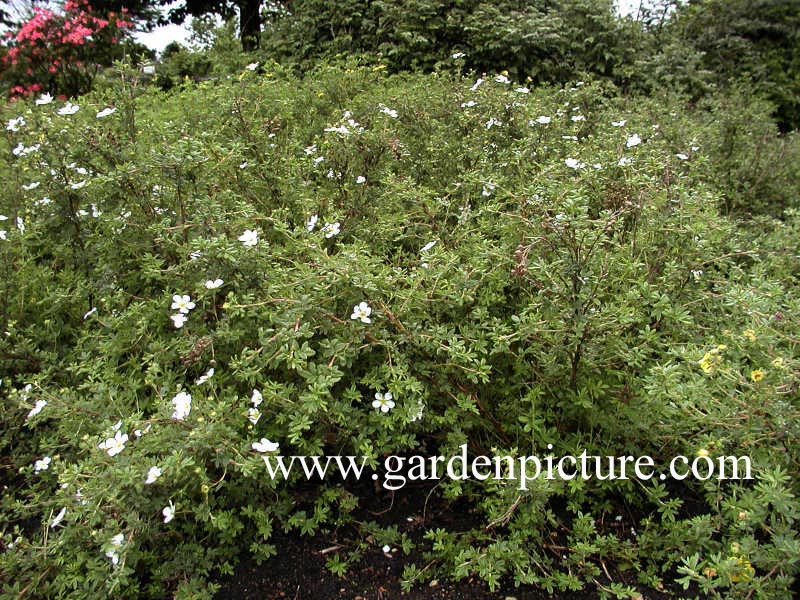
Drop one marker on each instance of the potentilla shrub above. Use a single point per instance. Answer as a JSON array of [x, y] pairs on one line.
[[61, 52], [356, 264]]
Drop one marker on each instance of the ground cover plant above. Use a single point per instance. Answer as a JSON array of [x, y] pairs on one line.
[[353, 263]]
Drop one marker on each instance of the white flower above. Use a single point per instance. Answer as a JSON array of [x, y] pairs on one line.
[[312, 222], [522, 90], [386, 549], [139, 433], [182, 303], [573, 138], [624, 161], [418, 415], [44, 99], [574, 163], [253, 415], [42, 464], [115, 543], [3, 234], [178, 320], [619, 123], [78, 185], [106, 112], [502, 79], [205, 377], [543, 120], [458, 55], [168, 512], [576, 118], [114, 445], [331, 229], [252, 66], [427, 247], [58, 518], [633, 140], [309, 150], [182, 403], [265, 446], [68, 109], [15, 124], [468, 104], [249, 237], [213, 284], [361, 179], [362, 311], [697, 274], [492, 122], [488, 189], [40, 404], [319, 160], [388, 111], [681, 156], [256, 398], [153, 473], [476, 85], [384, 402]]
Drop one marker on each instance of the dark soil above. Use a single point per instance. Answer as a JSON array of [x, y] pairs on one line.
[[298, 571]]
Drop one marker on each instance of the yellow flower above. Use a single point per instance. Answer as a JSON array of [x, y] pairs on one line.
[[757, 375], [702, 452], [749, 334], [778, 362], [745, 569]]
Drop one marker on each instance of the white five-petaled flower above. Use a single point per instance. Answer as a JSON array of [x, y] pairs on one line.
[[502, 79], [361, 312], [44, 99], [249, 237], [178, 320], [15, 124], [256, 398], [361, 179], [31, 186], [458, 55], [633, 140], [114, 544], [624, 161], [42, 464], [213, 284], [106, 112], [543, 119], [182, 303], [468, 104], [114, 445], [576, 118], [476, 84], [168, 512], [68, 109], [182, 403], [78, 185], [386, 549], [264, 445], [153, 473], [522, 90], [312, 222], [253, 415], [697, 274], [58, 518], [388, 111], [619, 123], [252, 66], [574, 163], [331, 229], [37, 408], [205, 376], [384, 402], [682, 156], [418, 415], [492, 122]]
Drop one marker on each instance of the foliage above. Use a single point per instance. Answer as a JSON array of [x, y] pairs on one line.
[[585, 290], [61, 53]]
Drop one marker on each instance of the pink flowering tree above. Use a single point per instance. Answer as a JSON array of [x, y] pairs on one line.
[[61, 52]]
